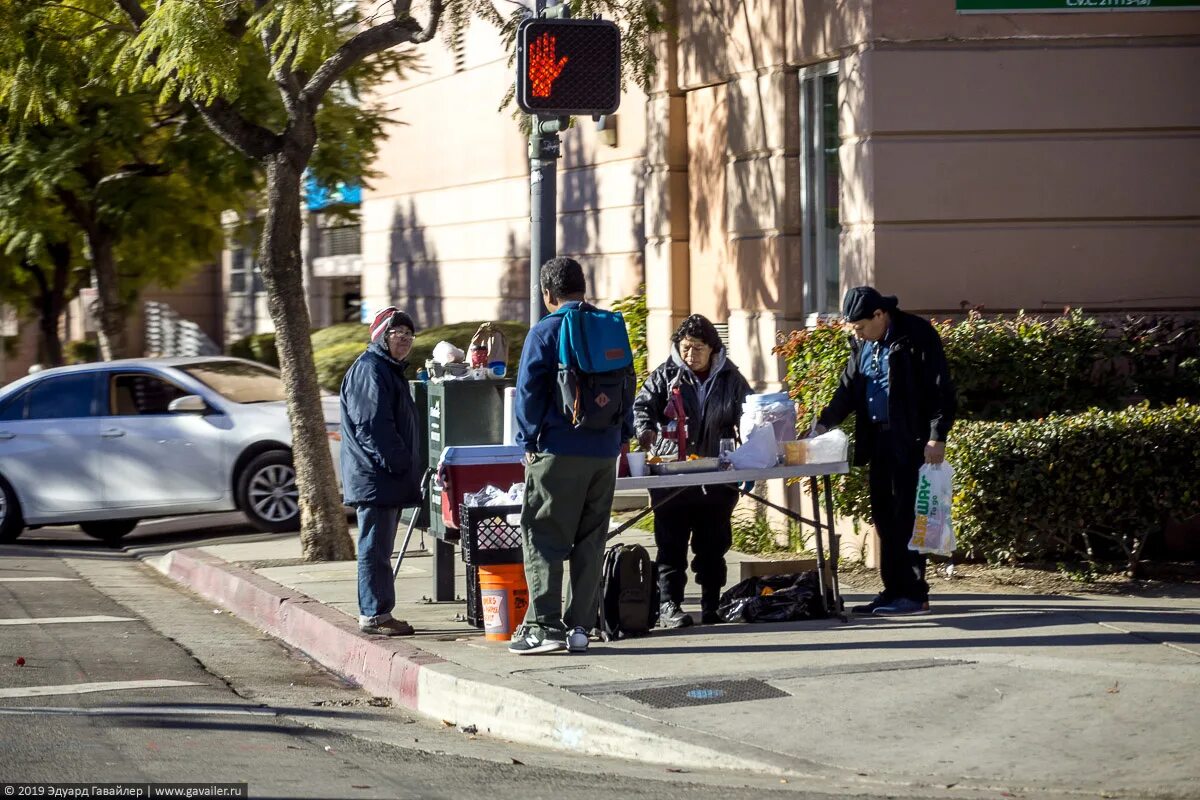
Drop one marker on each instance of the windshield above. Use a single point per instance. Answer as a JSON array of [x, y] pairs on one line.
[[238, 381]]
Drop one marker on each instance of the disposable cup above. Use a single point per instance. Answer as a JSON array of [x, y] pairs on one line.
[[637, 464]]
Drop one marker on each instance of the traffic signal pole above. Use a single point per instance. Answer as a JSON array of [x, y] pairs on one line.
[[544, 150]]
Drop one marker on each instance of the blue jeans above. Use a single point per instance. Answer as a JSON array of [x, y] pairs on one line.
[[376, 588]]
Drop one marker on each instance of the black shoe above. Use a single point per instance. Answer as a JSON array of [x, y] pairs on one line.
[[710, 618], [869, 608], [670, 615]]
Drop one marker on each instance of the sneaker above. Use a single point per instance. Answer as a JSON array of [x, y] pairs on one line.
[[577, 640], [903, 607], [391, 627], [869, 608], [670, 615], [530, 641]]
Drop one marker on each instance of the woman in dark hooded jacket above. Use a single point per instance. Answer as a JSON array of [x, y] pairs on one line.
[[711, 389]]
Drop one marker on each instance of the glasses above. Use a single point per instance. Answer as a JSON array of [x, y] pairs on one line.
[[403, 336]]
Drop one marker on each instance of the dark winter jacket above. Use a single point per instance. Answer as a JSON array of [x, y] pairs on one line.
[[541, 426], [379, 458], [709, 420], [921, 398]]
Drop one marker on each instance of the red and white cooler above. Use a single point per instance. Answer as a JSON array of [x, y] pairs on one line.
[[465, 469]]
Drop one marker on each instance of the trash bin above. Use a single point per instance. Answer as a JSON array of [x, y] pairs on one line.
[[461, 413]]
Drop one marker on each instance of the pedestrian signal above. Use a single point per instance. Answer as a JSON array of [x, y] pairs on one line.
[[568, 67]]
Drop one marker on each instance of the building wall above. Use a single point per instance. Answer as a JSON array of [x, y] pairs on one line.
[[446, 222]]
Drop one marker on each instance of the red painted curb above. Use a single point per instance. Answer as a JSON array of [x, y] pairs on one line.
[[382, 666]]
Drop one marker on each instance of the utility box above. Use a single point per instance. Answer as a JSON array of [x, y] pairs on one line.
[[420, 391], [461, 413]]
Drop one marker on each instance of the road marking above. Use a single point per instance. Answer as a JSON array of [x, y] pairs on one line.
[[57, 620], [84, 688], [35, 580]]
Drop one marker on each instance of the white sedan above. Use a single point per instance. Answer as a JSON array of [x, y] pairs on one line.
[[106, 445]]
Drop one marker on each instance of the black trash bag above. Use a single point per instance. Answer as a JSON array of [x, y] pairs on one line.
[[772, 598]]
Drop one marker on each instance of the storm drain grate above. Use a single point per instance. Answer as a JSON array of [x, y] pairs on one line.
[[705, 694]]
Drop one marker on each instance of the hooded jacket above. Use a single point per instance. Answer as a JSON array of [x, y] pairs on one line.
[[379, 458], [713, 406], [921, 396]]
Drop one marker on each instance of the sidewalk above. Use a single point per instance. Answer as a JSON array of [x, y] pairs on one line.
[[1026, 694]]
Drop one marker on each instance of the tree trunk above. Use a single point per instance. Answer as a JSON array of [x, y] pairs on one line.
[[323, 532], [112, 310], [49, 301]]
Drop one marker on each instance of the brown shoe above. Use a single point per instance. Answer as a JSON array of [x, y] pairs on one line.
[[392, 627]]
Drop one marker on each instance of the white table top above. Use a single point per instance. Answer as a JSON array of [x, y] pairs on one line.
[[733, 476]]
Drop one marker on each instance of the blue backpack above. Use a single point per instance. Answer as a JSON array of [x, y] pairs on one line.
[[596, 381]]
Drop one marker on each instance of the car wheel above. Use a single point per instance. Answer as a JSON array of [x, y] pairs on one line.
[[267, 492], [109, 530], [11, 523]]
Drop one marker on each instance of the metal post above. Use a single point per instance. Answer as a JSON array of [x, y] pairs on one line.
[[544, 148]]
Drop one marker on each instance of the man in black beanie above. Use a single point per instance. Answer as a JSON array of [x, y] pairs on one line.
[[898, 385]]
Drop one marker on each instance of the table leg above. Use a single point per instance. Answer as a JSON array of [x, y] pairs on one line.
[[822, 588], [835, 550], [443, 570], [629, 523]]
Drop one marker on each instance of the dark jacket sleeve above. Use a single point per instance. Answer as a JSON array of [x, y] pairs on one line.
[[650, 403], [843, 403], [943, 395], [373, 407], [535, 385]]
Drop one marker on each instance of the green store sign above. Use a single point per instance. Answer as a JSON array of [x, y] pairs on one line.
[[1055, 6]]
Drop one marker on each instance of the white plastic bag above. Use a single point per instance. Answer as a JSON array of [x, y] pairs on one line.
[[758, 451], [828, 448], [933, 530]]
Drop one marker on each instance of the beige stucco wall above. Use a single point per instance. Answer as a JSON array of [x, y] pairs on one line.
[[446, 222]]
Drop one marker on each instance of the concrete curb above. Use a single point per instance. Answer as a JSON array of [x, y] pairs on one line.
[[545, 716]]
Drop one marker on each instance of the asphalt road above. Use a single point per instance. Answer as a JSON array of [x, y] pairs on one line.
[[127, 678]]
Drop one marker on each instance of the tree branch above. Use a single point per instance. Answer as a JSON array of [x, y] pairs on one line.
[[373, 40], [133, 9], [285, 79], [140, 170], [249, 139]]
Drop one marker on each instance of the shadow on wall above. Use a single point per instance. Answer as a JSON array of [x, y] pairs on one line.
[[514, 283], [413, 279]]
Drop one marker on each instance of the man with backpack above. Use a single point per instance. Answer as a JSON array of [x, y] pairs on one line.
[[572, 415]]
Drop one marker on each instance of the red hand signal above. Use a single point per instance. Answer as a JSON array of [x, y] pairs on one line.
[[543, 69]]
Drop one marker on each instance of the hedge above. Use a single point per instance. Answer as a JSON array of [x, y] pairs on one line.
[[1095, 484], [338, 334], [1033, 369], [333, 361], [258, 347]]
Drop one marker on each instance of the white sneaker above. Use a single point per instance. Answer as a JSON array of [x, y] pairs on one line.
[[577, 641]]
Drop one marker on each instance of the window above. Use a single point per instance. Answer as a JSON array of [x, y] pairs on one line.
[[14, 409], [242, 270], [238, 381], [821, 180], [142, 394], [63, 397]]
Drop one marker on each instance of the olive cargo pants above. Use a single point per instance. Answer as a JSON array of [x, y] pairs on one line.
[[568, 501]]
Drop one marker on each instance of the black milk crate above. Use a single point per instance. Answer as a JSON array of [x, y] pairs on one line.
[[488, 538]]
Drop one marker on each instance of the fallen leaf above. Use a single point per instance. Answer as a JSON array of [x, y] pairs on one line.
[[1115, 688], [448, 723]]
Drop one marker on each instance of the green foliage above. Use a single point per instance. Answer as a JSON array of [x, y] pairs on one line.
[[258, 347], [333, 361], [1015, 368], [1093, 483], [340, 334], [633, 308], [81, 351]]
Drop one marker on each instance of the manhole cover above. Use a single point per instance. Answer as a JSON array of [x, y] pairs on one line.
[[705, 694]]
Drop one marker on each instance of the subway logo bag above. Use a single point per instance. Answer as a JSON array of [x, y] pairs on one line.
[[596, 382]]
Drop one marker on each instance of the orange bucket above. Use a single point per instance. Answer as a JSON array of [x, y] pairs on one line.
[[504, 597]]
